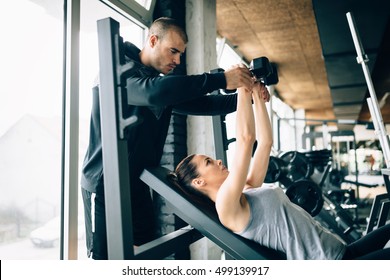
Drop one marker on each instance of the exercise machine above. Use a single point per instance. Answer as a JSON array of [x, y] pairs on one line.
[[375, 112], [205, 219], [114, 122]]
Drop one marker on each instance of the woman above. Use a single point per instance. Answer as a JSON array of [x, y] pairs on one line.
[[264, 213]]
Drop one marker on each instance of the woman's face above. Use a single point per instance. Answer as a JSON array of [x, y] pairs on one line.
[[210, 170]]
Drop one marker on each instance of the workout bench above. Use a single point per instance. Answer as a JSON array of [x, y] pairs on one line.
[[204, 220]]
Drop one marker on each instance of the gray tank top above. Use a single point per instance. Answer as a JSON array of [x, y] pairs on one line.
[[277, 223]]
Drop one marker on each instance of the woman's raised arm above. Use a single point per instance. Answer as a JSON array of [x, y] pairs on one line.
[[230, 207], [260, 160]]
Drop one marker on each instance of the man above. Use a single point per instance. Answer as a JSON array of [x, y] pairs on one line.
[[152, 97]]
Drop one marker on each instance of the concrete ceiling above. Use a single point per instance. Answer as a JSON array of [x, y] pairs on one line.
[[312, 46]]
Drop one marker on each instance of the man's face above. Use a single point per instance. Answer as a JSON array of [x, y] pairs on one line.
[[167, 52]]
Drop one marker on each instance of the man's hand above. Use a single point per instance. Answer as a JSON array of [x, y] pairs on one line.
[[239, 76]]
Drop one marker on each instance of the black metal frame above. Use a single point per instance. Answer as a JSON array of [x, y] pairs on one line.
[[114, 121], [386, 174], [380, 210], [334, 216], [115, 165]]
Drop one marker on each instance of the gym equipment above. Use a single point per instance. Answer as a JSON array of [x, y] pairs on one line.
[[289, 166], [297, 165], [205, 219], [319, 159], [115, 121], [276, 170], [306, 194], [343, 197], [260, 67], [264, 71], [293, 170], [116, 178], [334, 217], [379, 212], [339, 220], [375, 111], [372, 102], [273, 78], [336, 177]]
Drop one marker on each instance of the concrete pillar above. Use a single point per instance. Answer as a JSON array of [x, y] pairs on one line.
[[201, 57]]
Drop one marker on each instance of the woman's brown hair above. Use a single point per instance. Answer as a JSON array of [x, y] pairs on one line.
[[184, 173]]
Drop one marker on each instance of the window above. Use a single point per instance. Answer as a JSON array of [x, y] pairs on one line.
[[31, 119], [91, 12], [30, 128], [141, 10]]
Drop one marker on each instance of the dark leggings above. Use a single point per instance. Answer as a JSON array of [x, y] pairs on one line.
[[370, 246]]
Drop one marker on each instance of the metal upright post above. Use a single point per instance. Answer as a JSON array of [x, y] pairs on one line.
[[114, 144], [373, 105], [375, 114]]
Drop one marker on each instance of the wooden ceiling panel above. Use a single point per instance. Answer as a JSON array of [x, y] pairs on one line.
[[320, 114], [284, 42], [285, 31]]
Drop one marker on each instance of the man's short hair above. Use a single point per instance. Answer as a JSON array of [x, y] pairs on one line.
[[161, 25]]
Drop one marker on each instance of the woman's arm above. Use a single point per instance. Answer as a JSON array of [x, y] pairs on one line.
[[260, 160], [231, 207]]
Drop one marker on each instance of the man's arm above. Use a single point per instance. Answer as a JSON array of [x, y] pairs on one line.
[[208, 105], [171, 89], [145, 88]]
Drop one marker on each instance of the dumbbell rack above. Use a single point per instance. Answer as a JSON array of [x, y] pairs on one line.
[[334, 216], [376, 115]]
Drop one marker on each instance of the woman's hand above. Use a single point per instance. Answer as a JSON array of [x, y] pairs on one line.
[[261, 91]]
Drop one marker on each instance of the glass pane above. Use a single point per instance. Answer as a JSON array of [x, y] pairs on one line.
[[144, 3], [30, 128], [91, 11]]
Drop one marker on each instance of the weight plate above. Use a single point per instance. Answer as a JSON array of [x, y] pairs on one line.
[[307, 195], [297, 165], [274, 171]]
